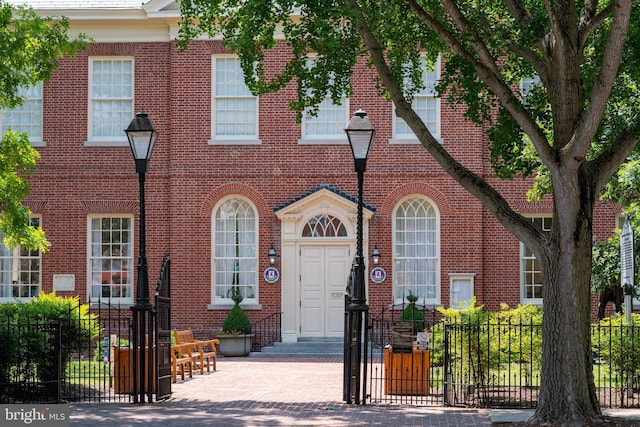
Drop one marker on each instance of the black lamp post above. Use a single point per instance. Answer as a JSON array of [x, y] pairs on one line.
[[360, 134], [142, 137]]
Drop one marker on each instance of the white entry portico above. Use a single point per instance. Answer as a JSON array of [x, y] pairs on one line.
[[318, 238]]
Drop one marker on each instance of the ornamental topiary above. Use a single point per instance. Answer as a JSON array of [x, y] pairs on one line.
[[411, 313], [237, 321]]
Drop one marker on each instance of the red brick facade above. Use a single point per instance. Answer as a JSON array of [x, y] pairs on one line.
[[187, 177]]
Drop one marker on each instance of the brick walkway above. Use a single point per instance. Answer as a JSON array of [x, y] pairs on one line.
[[267, 392]]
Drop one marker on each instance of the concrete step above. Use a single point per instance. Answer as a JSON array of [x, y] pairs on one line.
[[304, 348]]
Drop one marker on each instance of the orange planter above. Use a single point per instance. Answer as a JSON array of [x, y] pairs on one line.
[[406, 373]]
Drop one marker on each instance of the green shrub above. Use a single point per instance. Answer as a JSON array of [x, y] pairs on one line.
[[520, 329], [483, 340], [411, 313], [616, 343], [79, 330], [237, 321]]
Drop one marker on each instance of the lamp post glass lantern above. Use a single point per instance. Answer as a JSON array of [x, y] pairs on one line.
[[142, 137], [360, 135]]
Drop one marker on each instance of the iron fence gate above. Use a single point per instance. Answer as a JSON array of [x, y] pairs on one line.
[[488, 364], [162, 319], [86, 355]]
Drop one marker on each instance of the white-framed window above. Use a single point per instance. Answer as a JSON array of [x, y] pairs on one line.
[[530, 272], [234, 110], [416, 250], [26, 117], [328, 126], [526, 85], [110, 259], [324, 225], [20, 271], [111, 91], [426, 104], [235, 256], [461, 289]]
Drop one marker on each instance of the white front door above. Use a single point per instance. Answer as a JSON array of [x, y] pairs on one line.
[[323, 280]]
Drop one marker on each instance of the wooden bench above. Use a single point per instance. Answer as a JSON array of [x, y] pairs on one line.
[[181, 361], [203, 352]]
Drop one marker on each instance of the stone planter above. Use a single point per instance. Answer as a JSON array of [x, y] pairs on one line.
[[234, 345]]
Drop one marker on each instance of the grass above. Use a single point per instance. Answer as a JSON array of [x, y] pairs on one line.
[[518, 375], [88, 373]]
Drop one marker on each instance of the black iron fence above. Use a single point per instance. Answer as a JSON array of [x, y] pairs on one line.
[[80, 357], [266, 331], [487, 364]]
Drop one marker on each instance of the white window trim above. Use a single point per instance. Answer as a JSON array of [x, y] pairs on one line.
[[35, 141], [438, 284], [226, 303], [523, 291], [339, 139], [110, 141], [5, 300], [460, 277], [413, 139], [226, 139], [134, 284], [531, 82]]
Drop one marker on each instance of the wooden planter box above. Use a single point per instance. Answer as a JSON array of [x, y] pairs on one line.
[[123, 370], [406, 373]]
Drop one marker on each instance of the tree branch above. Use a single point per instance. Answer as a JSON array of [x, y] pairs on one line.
[[488, 71], [590, 119], [474, 184], [589, 20], [607, 163]]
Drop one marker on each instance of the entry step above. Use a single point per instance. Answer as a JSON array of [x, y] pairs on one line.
[[304, 348]]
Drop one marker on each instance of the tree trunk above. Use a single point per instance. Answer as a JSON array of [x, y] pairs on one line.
[[567, 390]]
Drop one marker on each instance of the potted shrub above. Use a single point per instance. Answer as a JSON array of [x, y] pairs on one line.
[[235, 338], [412, 314]]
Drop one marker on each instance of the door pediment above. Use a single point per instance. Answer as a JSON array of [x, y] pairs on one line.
[[324, 199]]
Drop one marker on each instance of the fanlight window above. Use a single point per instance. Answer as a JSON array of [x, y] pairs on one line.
[[324, 226]]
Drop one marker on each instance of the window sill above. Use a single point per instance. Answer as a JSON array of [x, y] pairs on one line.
[[323, 141], [222, 141], [428, 305], [114, 143], [410, 141], [223, 306], [113, 304]]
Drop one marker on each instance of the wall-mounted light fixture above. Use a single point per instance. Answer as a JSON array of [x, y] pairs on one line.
[[272, 256], [375, 256]]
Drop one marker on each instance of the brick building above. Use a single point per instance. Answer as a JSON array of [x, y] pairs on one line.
[[233, 175]]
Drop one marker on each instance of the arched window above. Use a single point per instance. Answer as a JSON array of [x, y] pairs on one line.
[[416, 251], [324, 226], [235, 236]]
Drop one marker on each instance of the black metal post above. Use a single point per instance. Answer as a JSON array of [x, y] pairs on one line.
[[357, 309], [141, 312]]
